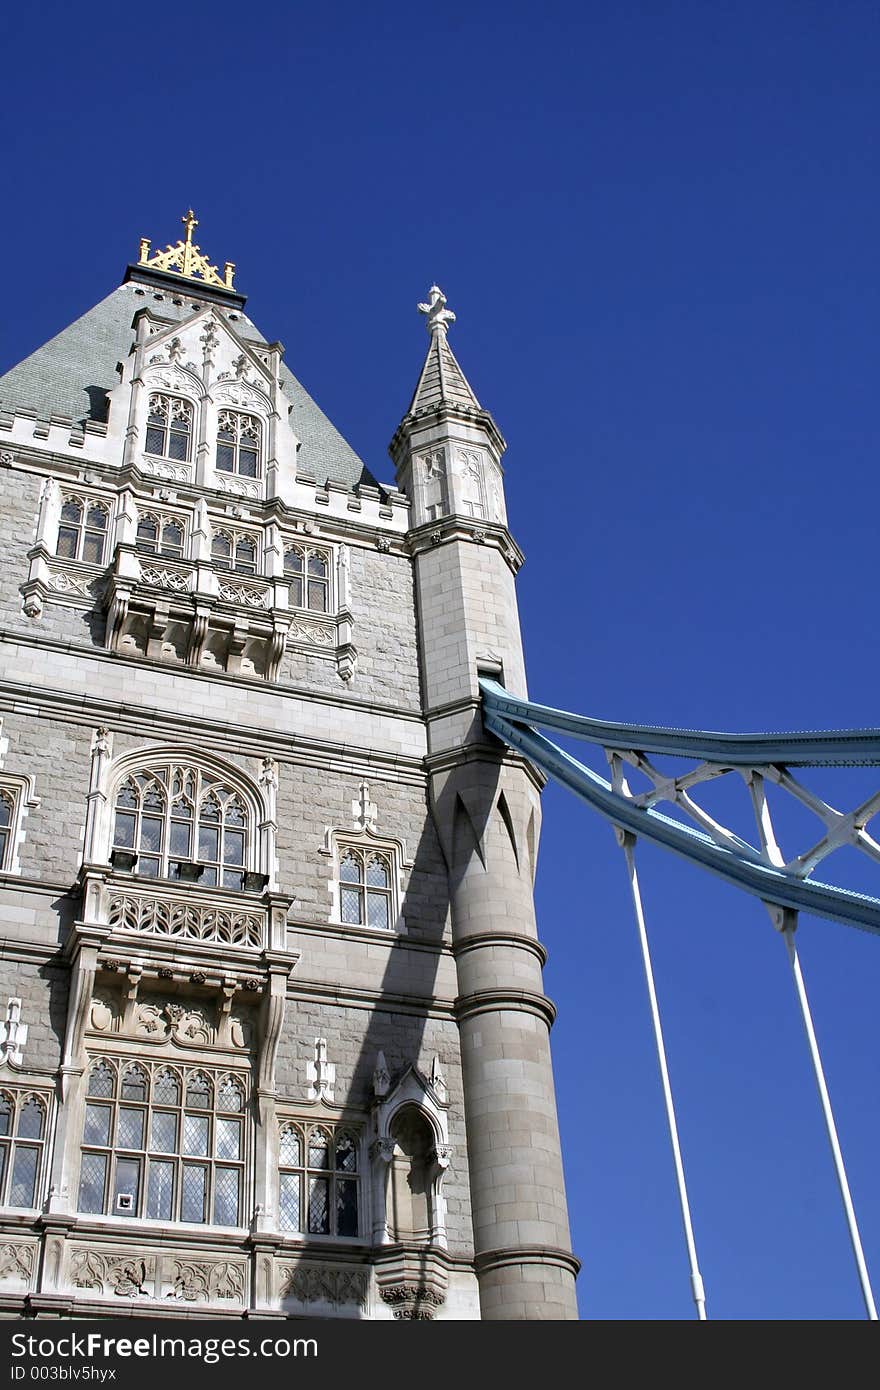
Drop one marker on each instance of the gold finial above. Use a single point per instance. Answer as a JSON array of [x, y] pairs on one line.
[[186, 258]]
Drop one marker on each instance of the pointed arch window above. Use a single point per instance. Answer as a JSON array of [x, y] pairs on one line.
[[319, 1180], [82, 530], [365, 887], [307, 572], [239, 444], [235, 550], [23, 1128], [161, 535], [7, 827], [164, 1142], [183, 823], [169, 426]]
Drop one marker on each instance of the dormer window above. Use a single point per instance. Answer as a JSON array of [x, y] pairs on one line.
[[169, 426], [232, 550], [82, 532], [160, 535], [239, 439], [307, 573]]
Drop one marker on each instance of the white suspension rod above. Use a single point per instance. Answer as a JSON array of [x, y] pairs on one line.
[[627, 842], [789, 922]]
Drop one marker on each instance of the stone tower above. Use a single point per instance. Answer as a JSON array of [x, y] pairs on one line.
[[272, 1033]]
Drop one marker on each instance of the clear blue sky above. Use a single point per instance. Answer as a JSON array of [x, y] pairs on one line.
[[657, 224]]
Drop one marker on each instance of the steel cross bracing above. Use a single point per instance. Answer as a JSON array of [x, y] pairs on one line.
[[759, 759], [784, 885]]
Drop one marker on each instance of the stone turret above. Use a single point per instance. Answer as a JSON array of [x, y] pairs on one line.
[[486, 806]]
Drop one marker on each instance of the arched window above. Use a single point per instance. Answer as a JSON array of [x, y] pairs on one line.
[[169, 427], [22, 1141], [410, 1201], [365, 887], [307, 572], [183, 823], [161, 535], [319, 1184], [239, 440], [170, 1147], [7, 823], [235, 550], [82, 530]]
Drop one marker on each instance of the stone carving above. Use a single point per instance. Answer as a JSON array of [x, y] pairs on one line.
[[315, 633], [164, 578], [316, 1284], [64, 583], [363, 810], [239, 393], [381, 1076], [172, 472], [170, 917], [116, 1272], [13, 1034], [103, 1013], [171, 379], [207, 1281], [17, 1261], [240, 1030], [159, 1021], [237, 486], [245, 594], [413, 1301], [320, 1074]]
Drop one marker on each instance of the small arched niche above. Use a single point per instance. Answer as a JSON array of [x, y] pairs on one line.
[[411, 1179]]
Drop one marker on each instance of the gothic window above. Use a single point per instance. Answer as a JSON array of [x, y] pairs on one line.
[[22, 1142], [411, 1190], [235, 550], [163, 1142], [161, 535], [319, 1191], [169, 427], [182, 823], [307, 572], [7, 827], [239, 439], [366, 894], [82, 530]]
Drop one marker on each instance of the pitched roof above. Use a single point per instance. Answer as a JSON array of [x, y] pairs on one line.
[[71, 374], [441, 380]]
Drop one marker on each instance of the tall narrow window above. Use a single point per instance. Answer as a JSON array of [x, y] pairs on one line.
[[308, 574], [169, 427], [172, 817], [318, 1181], [239, 439], [82, 531], [22, 1141], [163, 1143], [160, 535]]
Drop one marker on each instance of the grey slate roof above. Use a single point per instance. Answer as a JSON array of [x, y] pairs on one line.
[[70, 374], [442, 379]]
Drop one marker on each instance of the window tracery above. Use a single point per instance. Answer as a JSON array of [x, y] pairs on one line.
[[164, 1142], [319, 1179], [23, 1128], [82, 530], [235, 550], [169, 426], [307, 571], [172, 817], [161, 534], [366, 887], [239, 444]]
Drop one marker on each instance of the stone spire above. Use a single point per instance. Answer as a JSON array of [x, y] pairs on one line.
[[442, 382]]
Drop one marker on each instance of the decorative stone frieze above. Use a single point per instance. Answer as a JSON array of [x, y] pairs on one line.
[[180, 917], [307, 1285]]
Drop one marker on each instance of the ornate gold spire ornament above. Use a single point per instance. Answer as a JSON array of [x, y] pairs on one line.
[[186, 258]]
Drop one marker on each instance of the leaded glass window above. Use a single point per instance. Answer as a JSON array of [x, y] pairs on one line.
[[318, 1180], [164, 1142], [365, 887], [307, 572], [82, 530], [161, 535], [169, 427], [239, 444], [23, 1129], [235, 550], [175, 816]]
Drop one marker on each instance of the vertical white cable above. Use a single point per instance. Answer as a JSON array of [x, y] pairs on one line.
[[789, 922], [627, 841]]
